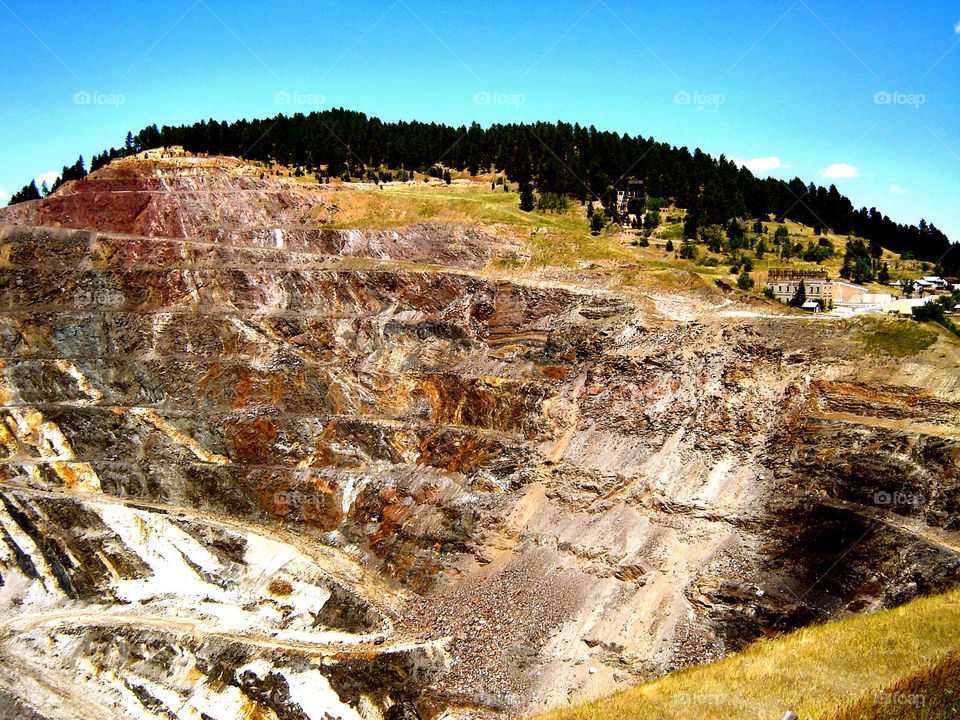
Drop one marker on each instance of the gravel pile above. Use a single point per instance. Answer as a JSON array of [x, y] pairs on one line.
[[498, 622]]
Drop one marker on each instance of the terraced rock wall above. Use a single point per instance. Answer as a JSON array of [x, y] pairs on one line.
[[290, 479]]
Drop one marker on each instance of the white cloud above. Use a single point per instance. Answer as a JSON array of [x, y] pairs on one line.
[[897, 189], [758, 165], [840, 170], [956, 28], [48, 177], [3, 194]]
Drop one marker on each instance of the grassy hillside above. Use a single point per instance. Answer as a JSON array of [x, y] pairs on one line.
[[564, 238], [816, 672], [931, 694], [898, 336], [899, 267], [552, 238]]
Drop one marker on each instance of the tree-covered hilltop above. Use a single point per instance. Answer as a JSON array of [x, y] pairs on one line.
[[558, 158]]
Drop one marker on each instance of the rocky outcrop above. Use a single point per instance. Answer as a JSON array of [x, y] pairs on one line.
[[173, 194], [305, 477]]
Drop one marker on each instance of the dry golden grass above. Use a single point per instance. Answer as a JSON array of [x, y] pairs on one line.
[[814, 672], [931, 694]]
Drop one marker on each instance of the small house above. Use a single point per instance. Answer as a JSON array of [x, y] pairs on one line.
[[935, 281], [633, 190]]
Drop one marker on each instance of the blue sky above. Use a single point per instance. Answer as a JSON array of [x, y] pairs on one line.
[[865, 94]]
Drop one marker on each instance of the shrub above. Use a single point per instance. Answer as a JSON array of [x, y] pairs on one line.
[[688, 251], [596, 223]]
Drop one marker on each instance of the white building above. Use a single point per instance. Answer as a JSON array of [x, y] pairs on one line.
[[785, 282], [935, 281], [905, 306]]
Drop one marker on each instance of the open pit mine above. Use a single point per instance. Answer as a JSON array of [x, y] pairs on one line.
[[258, 467]]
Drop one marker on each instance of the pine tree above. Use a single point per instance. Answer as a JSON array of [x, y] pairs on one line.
[[800, 296], [744, 281], [688, 251], [26, 193], [713, 238], [862, 272], [846, 271], [884, 275], [526, 197], [596, 223]]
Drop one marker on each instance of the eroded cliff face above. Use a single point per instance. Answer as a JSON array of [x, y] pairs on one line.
[[307, 475], [223, 200]]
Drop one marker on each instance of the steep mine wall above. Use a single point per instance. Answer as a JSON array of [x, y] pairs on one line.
[[275, 479]]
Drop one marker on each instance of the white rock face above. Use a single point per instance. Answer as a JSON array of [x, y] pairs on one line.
[[176, 628]]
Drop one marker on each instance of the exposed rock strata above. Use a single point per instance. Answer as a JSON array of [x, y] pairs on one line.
[[235, 473]]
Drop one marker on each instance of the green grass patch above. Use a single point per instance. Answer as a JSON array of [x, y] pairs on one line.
[[899, 337], [557, 239], [950, 326]]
